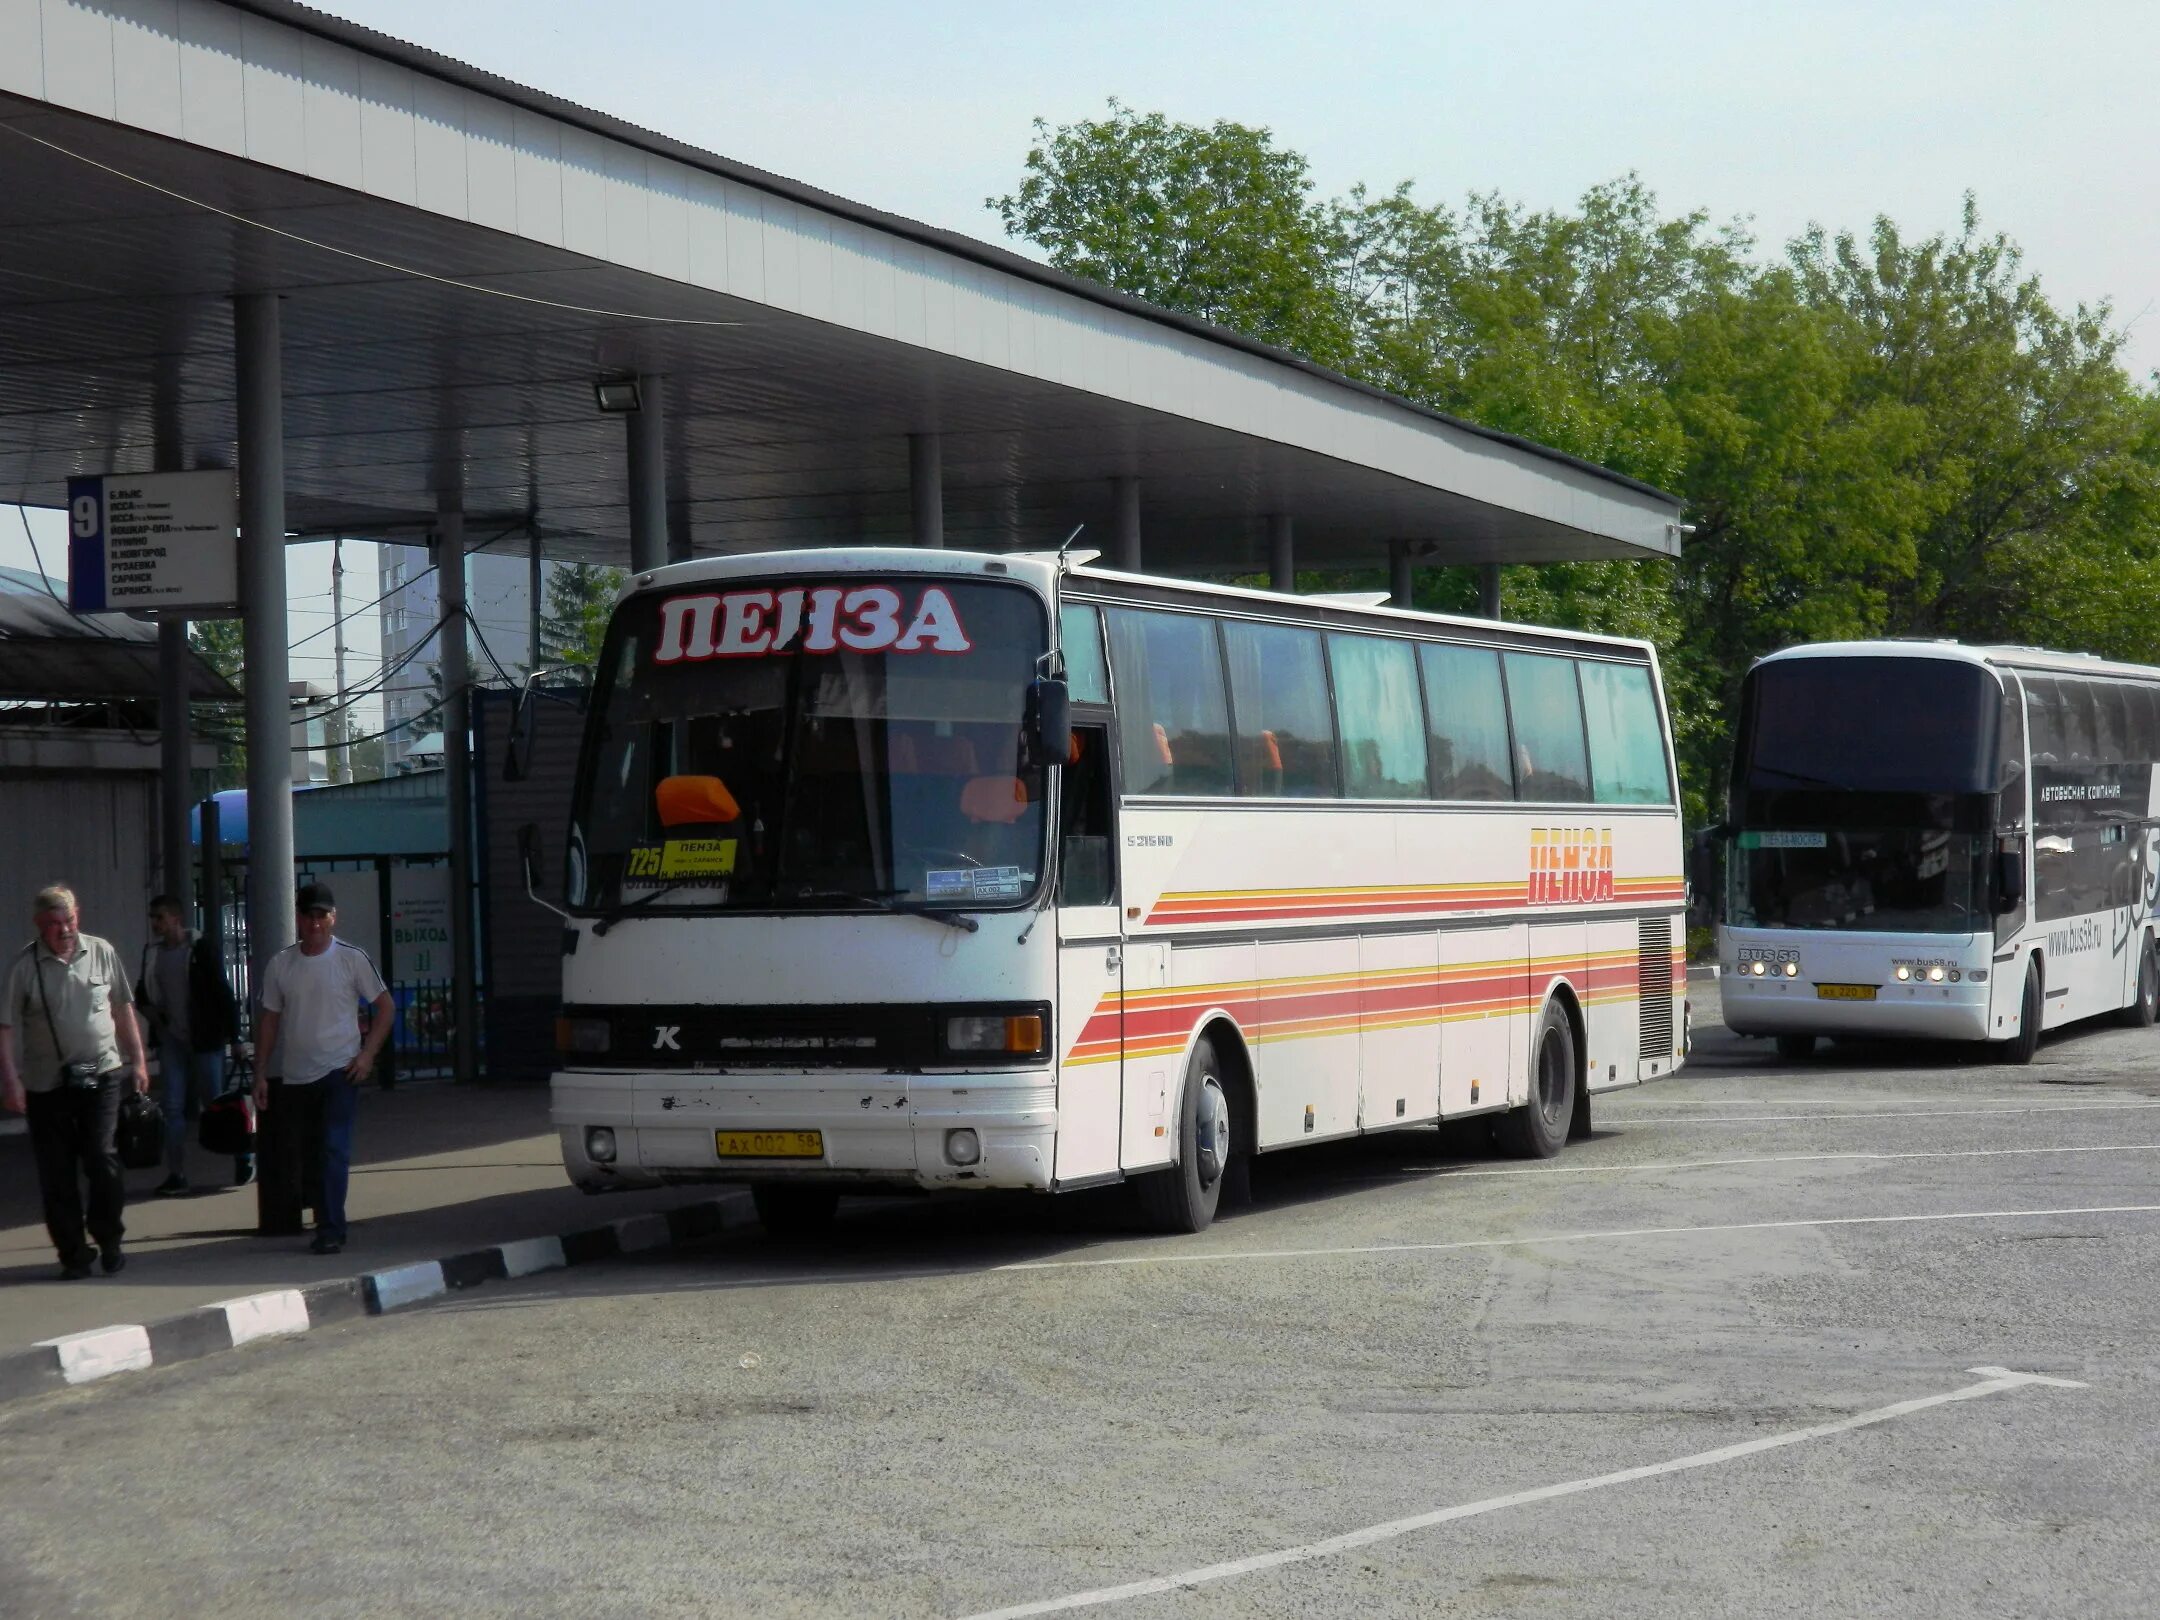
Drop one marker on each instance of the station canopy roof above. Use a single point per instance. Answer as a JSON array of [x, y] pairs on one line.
[[459, 258], [52, 654]]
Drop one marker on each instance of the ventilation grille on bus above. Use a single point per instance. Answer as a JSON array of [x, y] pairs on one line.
[[1653, 980]]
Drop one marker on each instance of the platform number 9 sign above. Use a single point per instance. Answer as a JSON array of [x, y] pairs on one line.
[[83, 515]]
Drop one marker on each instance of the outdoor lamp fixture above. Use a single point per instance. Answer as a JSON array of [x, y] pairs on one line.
[[616, 393]]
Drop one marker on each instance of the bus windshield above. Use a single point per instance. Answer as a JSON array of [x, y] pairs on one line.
[[1868, 725], [813, 745], [1885, 879]]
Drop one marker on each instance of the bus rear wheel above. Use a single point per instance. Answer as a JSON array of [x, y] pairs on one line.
[[789, 1212], [1796, 1048], [1539, 1129], [2019, 1049], [2142, 1011], [1184, 1197]]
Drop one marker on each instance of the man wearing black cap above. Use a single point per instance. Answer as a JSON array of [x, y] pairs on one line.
[[311, 998]]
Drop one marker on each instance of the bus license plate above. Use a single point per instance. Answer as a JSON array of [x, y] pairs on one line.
[[770, 1144], [1845, 992]]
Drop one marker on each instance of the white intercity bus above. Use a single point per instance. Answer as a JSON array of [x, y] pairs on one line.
[[916, 868], [1933, 840]]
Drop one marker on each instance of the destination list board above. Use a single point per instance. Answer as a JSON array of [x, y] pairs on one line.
[[154, 542]]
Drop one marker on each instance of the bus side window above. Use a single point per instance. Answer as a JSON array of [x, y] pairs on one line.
[[1551, 757], [1467, 713], [1172, 711], [1279, 697], [1086, 873], [1627, 746]]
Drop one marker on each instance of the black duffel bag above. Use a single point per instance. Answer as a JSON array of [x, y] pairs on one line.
[[140, 1137]]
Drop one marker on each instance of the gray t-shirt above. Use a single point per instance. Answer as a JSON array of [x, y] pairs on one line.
[[82, 994]]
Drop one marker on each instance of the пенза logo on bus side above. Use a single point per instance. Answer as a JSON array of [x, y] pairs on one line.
[[1570, 865]]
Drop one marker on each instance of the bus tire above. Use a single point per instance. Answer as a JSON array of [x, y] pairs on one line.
[[1796, 1048], [791, 1211], [2019, 1049], [1539, 1129], [2146, 1005], [1184, 1197]]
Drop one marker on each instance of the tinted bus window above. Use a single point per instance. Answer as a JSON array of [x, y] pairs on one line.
[[1468, 715], [1278, 691], [1080, 633], [1379, 715], [1552, 765], [1173, 722], [1627, 745], [2010, 750], [1871, 725]]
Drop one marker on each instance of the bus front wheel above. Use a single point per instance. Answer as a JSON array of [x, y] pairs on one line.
[[2141, 1012], [2019, 1049], [1184, 1197], [1539, 1129]]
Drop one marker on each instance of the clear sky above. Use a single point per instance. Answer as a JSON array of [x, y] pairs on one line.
[[1781, 113]]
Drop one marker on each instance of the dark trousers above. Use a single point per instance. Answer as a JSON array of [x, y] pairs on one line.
[[304, 1143], [71, 1138]]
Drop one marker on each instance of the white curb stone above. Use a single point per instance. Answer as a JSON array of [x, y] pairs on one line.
[[408, 1285], [528, 1255], [101, 1352], [263, 1316]]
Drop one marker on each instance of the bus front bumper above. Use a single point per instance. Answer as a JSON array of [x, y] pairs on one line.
[[1778, 1006], [871, 1130]]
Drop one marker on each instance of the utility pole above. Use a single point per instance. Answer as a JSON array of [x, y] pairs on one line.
[[340, 751]]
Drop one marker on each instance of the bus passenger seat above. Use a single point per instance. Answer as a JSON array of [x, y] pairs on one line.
[[996, 799], [693, 801]]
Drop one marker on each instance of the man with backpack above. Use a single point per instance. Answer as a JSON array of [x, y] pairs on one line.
[[187, 1003]]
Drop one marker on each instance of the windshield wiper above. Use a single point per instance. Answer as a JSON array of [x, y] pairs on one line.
[[884, 900], [630, 908]]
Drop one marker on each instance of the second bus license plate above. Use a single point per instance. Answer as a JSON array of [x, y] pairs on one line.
[[770, 1144], [1845, 992]]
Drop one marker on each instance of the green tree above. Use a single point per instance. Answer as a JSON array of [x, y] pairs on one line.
[[574, 616], [1871, 437], [1216, 222]]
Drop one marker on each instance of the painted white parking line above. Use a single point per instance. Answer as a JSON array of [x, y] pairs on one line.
[[1449, 1174], [1624, 1118], [1203, 1257], [1994, 1381]]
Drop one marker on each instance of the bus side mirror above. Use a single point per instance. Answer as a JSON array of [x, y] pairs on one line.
[[517, 750], [1702, 874], [2009, 880], [529, 857], [1047, 723]]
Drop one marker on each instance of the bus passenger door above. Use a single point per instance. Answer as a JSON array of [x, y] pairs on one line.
[[1090, 1010]]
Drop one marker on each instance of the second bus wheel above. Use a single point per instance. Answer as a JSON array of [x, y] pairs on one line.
[[2146, 1005], [1184, 1197], [790, 1210], [2019, 1049], [1539, 1129]]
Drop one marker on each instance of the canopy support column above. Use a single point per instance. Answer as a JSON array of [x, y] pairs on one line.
[[646, 428], [1488, 591], [259, 375], [1128, 525], [926, 488], [174, 739], [1282, 562]]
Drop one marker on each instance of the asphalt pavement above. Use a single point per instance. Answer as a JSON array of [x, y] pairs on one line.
[[1873, 1334]]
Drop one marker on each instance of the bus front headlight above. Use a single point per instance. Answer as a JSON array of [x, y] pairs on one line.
[[1008, 1034]]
